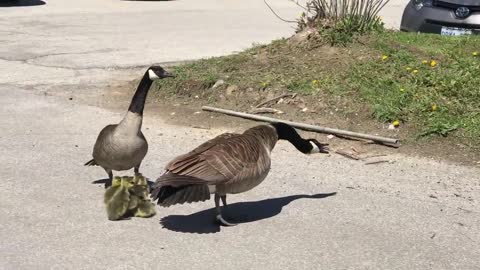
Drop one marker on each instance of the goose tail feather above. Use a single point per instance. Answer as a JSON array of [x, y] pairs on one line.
[[167, 195]]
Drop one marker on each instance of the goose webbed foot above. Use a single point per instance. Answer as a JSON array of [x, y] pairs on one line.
[[223, 222], [219, 216]]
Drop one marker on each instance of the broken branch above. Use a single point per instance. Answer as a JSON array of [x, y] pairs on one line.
[[377, 139]]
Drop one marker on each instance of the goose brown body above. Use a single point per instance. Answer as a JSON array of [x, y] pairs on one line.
[[229, 163], [121, 147]]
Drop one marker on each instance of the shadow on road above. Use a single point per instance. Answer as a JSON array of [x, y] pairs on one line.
[[21, 3], [241, 212]]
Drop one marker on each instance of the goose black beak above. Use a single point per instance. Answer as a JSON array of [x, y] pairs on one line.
[[168, 75], [322, 147]]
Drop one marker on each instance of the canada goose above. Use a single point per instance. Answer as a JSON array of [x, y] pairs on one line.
[[117, 198], [228, 164], [122, 146]]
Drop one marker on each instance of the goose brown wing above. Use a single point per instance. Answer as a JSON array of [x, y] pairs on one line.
[[216, 161]]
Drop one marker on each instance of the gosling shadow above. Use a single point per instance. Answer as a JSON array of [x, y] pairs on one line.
[[21, 3], [242, 212]]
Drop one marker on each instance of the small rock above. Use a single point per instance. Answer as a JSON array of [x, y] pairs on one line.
[[197, 112], [196, 96], [330, 136], [218, 84], [230, 89], [305, 109], [280, 101], [391, 126], [70, 98]]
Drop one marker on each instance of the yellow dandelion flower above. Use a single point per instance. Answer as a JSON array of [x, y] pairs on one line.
[[385, 57], [402, 90], [424, 62], [434, 107], [415, 71], [433, 63], [396, 123], [314, 82], [408, 68], [264, 84], [475, 53]]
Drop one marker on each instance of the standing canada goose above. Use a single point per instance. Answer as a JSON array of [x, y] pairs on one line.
[[122, 146], [228, 164]]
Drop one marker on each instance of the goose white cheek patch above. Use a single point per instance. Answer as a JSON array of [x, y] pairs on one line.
[[315, 148], [152, 75]]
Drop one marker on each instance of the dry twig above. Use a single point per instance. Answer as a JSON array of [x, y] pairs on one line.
[[265, 110], [275, 98]]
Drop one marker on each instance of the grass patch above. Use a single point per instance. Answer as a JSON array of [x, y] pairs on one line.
[[429, 83]]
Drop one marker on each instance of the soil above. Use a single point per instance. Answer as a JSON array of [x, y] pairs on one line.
[[186, 111]]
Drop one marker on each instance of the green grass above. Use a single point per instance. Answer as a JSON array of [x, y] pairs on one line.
[[406, 87], [443, 100]]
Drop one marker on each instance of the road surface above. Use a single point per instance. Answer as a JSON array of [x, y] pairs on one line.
[[312, 212]]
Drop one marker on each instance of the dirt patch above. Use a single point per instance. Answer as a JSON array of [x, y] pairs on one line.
[[186, 111]]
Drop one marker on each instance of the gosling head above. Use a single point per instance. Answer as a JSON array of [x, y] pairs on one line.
[[157, 73], [127, 182], [116, 182]]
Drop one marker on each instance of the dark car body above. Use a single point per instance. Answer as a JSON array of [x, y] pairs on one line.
[[446, 17]]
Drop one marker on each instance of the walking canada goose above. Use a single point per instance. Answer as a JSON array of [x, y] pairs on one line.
[[122, 146], [228, 164]]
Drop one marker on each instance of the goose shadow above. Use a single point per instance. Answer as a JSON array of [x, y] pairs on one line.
[[21, 3], [243, 212]]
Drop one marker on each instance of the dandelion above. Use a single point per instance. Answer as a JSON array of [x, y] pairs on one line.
[[315, 82], [385, 57], [475, 53], [264, 84], [433, 63], [402, 90], [396, 123], [424, 62], [415, 71], [434, 107], [408, 68]]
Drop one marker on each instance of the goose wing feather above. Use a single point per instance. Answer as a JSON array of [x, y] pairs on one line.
[[217, 161]]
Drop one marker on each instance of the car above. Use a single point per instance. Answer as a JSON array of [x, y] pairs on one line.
[[445, 17]]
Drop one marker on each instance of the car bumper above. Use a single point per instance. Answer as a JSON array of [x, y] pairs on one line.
[[432, 19]]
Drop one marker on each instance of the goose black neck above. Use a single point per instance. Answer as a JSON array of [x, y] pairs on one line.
[[138, 100], [287, 132]]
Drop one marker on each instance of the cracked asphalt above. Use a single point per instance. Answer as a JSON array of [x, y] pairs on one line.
[[57, 61]]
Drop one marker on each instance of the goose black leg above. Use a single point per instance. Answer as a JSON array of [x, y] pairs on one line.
[[110, 178], [219, 217], [136, 169]]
